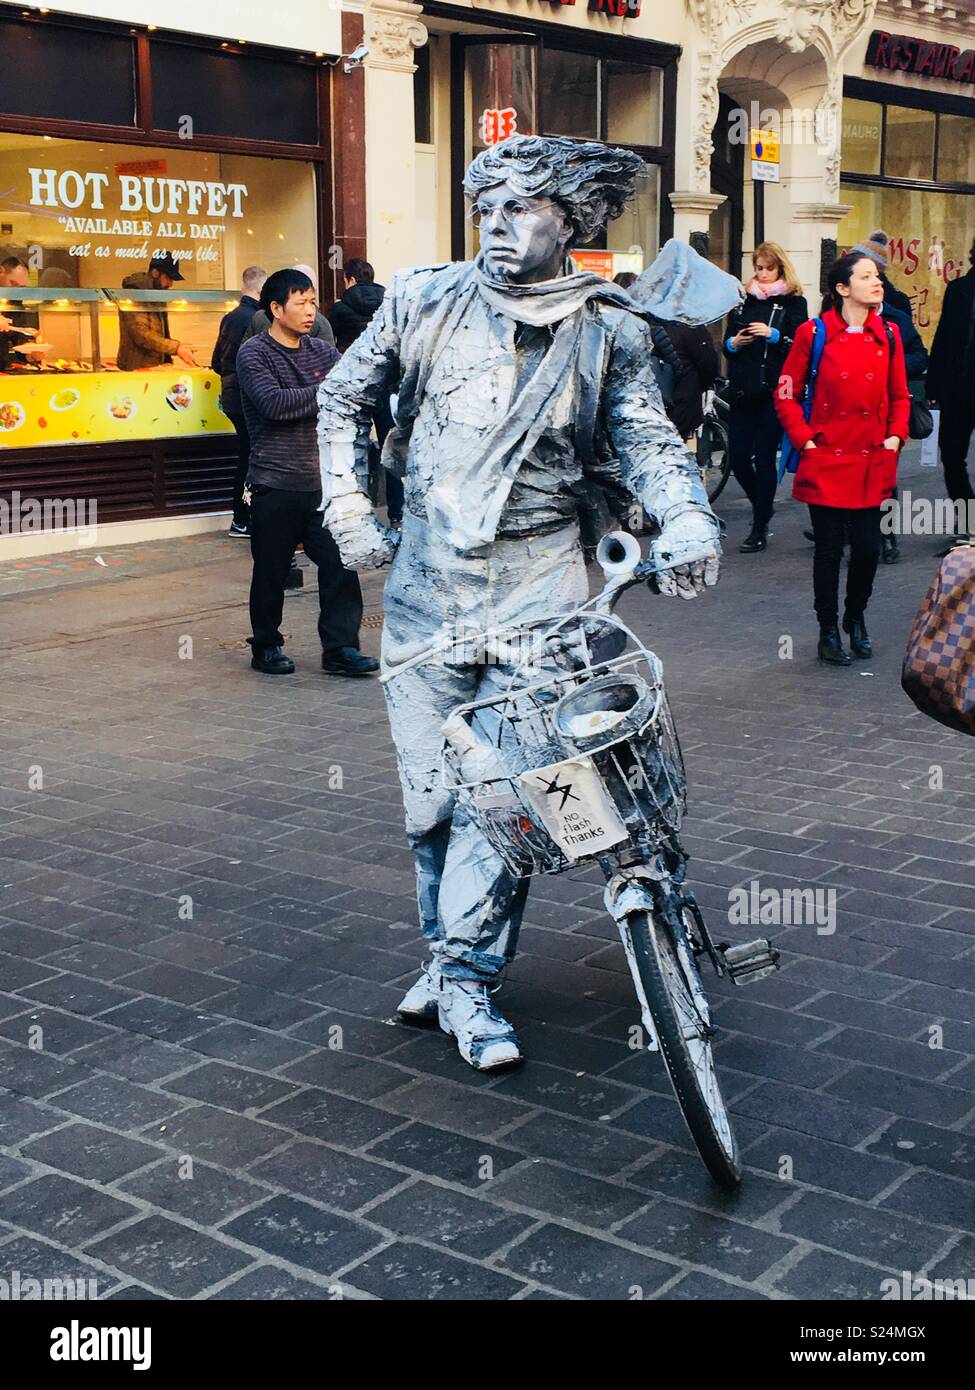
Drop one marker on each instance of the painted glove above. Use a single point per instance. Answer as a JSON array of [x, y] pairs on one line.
[[689, 553], [364, 542]]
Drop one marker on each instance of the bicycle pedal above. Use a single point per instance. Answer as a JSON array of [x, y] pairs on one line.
[[751, 960]]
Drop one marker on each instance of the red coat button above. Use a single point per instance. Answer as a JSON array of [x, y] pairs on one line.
[[865, 414], [870, 376], [844, 415], [844, 375], [837, 451], [865, 453]]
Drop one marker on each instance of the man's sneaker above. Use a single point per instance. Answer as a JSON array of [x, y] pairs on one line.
[[419, 1003], [272, 661], [348, 661], [239, 529], [484, 1038]]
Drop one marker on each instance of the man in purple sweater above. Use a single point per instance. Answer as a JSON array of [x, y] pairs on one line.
[[279, 373]]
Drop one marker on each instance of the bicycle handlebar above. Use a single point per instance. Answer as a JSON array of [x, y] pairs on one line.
[[603, 602]]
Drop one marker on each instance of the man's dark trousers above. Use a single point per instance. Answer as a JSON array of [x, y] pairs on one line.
[[280, 520], [954, 437], [241, 517]]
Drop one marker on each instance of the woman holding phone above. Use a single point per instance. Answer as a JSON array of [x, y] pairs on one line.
[[757, 340], [850, 444]]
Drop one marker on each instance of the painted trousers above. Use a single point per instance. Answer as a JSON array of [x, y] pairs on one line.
[[470, 905]]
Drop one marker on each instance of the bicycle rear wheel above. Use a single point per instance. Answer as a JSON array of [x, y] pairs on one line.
[[713, 458], [678, 1007]]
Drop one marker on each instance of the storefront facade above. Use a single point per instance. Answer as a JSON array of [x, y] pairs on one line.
[[870, 103], [216, 151], [908, 161], [686, 84]]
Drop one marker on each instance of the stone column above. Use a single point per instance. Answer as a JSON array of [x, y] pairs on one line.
[[819, 221], [692, 212], [392, 31]]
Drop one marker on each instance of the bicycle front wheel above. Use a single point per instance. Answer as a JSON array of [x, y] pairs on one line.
[[678, 1007]]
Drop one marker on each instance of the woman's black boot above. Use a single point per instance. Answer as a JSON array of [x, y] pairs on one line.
[[831, 649], [860, 644], [755, 540]]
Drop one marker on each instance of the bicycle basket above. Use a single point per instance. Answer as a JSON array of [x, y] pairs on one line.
[[585, 761]]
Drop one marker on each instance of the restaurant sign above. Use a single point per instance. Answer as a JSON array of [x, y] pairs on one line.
[[920, 57], [193, 210]]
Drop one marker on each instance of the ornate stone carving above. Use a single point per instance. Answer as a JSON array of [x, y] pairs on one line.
[[392, 31], [835, 22], [729, 26], [706, 109]]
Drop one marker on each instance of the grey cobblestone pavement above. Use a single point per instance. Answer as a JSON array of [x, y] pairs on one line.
[[220, 1105]]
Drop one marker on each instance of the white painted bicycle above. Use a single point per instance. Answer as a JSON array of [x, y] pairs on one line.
[[577, 761]]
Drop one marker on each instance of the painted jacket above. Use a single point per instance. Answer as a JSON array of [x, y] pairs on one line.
[[456, 366], [860, 399]]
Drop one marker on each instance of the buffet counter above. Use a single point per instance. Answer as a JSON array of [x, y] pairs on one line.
[[59, 380], [100, 407]]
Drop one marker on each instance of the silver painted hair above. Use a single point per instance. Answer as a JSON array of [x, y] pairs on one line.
[[592, 182]]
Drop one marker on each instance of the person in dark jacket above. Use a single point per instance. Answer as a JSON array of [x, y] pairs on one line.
[[349, 316], [233, 326], [951, 381], [916, 364], [849, 446], [699, 371], [758, 337], [877, 247], [689, 353]]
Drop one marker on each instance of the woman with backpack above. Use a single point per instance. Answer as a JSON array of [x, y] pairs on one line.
[[857, 423], [757, 340]]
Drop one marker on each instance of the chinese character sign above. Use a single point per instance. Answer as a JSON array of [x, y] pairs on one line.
[[930, 236], [497, 124]]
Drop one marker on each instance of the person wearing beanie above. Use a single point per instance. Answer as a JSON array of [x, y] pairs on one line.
[[877, 247]]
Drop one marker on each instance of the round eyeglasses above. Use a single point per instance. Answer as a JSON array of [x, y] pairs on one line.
[[512, 211]]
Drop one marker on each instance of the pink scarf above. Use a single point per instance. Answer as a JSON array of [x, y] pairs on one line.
[[768, 291]]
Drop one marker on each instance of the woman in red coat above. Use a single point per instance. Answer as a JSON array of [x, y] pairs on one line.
[[849, 448]]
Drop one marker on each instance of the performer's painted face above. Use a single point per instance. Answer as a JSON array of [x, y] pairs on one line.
[[522, 239]]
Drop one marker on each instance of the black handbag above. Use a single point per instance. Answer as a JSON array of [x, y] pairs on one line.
[[921, 422]]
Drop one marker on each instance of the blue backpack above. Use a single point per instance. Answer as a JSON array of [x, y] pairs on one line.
[[789, 455]]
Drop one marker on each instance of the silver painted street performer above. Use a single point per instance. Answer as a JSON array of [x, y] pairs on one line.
[[523, 388]]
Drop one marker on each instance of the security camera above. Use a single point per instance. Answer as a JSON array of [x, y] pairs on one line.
[[356, 58]]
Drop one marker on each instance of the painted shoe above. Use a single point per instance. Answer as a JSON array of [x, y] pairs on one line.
[[484, 1038], [419, 1003]]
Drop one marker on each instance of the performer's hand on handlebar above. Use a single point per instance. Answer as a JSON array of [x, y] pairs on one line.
[[688, 554]]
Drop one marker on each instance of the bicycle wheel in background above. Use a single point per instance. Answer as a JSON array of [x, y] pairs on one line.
[[713, 458], [679, 1009]]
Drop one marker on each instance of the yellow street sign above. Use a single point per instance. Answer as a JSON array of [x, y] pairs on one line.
[[765, 146]]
